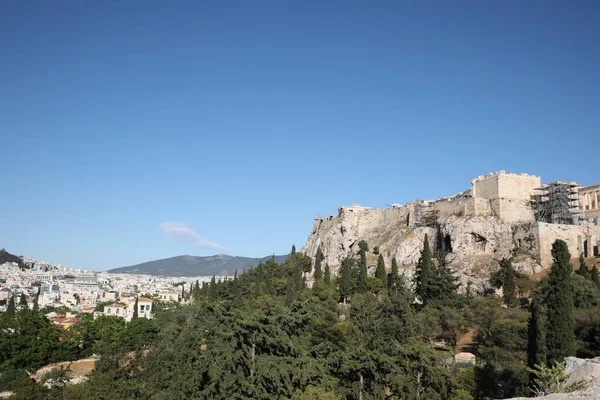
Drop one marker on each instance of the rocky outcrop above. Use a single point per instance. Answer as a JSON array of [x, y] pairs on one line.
[[474, 244], [587, 370]]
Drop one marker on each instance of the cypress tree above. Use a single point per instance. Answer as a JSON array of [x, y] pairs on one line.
[[536, 339], [361, 283], [293, 249], [235, 276], [582, 270], [509, 288], [594, 276], [318, 260], [23, 300], [560, 338], [327, 275], [345, 278], [393, 276], [10, 309], [197, 289], [36, 305], [183, 292], [212, 289], [380, 271], [424, 273], [135, 310], [191, 291]]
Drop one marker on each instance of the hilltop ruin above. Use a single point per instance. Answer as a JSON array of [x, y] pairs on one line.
[[502, 215]]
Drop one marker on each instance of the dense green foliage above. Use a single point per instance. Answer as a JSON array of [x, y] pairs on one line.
[[266, 334], [560, 337]]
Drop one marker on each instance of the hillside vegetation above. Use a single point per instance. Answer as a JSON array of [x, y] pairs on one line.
[[266, 335]]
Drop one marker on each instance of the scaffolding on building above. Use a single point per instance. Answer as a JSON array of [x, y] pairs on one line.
[[557, 203]]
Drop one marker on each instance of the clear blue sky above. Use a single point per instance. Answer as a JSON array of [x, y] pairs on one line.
[[241, 120]]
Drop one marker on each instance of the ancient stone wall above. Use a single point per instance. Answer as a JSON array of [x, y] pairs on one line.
[[579, 238], [505, 185]]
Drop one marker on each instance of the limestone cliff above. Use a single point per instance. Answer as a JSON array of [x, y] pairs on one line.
[[473, 244]]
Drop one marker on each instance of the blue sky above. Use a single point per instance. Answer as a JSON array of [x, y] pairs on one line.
[[132, 131]]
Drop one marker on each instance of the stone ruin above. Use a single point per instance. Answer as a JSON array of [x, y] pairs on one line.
[[502, 215]]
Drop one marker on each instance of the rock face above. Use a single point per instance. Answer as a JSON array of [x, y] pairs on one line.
[[587, 370], [474, 244]]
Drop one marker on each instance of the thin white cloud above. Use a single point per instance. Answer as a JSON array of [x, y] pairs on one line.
[[182, 233]]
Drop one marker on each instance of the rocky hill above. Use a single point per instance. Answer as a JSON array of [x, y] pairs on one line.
[[220, 264], [475, 229]]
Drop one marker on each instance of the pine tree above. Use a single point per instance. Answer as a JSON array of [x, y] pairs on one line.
[[536, 337], [594, 276], [327, 275], [380, 271], [318, 260], [10, 309], [582, 270], [509, 288], [424, 274], [135, 310], [560, 338]]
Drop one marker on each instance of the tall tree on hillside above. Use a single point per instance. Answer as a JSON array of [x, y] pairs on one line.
[[197, 289], [560, 339], [182, 291], [424, 273], [22, 300], [135, 309], [582, 270], [293, 249], [10, 309], [318, 268], [595, 277], [536, 338], [443, 288], [509, 288], [361, 279], [36, 299], [212, 289], [345, 278], [327, 274], [235, 276], [536, 335], [380, 271], [393, 276]]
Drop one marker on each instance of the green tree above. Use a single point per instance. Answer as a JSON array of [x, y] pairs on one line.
[[327, 274], [23, 300], [380, 272], [560, 338], [582, 270], [536, 337], [135, 309], [595, 277], [318, 268], [345, 278], [425, 274], [10, 309], [509, 289], [293, 249]]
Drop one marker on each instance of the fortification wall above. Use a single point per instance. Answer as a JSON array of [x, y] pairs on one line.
[[579, 239], [505, 185]]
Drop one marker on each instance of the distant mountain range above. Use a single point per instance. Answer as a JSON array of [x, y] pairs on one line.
[[220, 264]]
